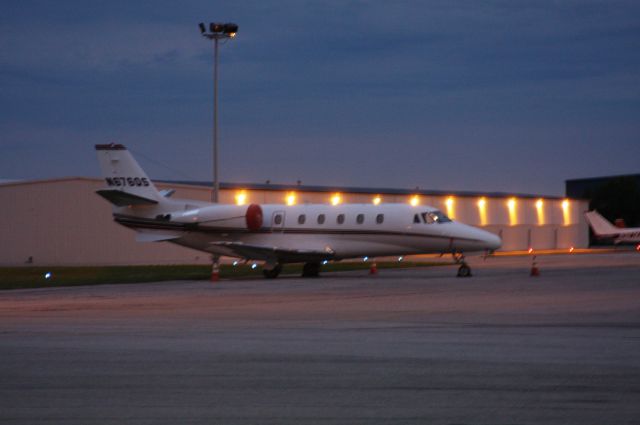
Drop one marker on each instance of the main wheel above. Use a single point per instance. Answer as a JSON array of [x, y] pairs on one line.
[[311, 270], [464, 270], [272, 273]]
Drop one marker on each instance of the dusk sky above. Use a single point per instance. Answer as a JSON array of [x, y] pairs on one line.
[[511, 96]]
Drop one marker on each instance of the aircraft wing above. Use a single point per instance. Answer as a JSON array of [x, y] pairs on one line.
[[273, 253], [157, 236]]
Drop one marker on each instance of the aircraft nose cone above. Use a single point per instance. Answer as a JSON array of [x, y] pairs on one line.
[[493, 241], [484, 240]]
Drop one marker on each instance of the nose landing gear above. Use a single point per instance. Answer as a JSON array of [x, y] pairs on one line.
[[464, 270]]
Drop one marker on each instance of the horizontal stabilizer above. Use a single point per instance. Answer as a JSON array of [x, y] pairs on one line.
[[122, 199], [167, 192]]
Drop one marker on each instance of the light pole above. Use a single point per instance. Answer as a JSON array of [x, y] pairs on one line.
[[216, 33]]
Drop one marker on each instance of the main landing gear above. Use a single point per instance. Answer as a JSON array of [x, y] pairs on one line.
[[271, 271], [311, 270], [464, 270]]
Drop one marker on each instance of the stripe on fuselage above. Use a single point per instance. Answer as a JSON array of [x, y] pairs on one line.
[[145, 223]]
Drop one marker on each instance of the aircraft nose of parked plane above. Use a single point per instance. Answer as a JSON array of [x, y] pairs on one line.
[[492, 241], [482, 239]]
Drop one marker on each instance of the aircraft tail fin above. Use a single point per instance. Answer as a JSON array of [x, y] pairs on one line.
[[128, 183], [600, 225]]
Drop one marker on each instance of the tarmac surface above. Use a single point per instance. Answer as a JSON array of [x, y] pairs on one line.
[[411, 346]]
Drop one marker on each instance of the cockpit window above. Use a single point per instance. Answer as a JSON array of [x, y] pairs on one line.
[[435, 217]]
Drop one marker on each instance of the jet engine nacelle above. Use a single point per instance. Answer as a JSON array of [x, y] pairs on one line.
[[221, 216], [254, 217]]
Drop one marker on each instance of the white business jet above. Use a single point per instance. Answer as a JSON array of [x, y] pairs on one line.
[[602, 228], [278, 234]]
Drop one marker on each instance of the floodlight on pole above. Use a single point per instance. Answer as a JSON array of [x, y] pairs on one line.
[[217, 31]]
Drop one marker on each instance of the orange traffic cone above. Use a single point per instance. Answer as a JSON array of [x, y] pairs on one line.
[[215, 271], [374, 268], [535, 272]]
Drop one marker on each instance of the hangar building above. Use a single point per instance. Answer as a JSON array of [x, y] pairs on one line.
[[584, 188], [63, 221]]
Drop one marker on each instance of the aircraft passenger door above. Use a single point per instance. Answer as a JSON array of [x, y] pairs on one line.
[[277, 221]]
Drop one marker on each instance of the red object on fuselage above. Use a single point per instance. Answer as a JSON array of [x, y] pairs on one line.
[[254, 217]]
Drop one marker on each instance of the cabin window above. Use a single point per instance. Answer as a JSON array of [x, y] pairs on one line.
[[360, 218], [340, 219], [302, 218], [277, 219], [380, 218], [416, 218], [321, 219]]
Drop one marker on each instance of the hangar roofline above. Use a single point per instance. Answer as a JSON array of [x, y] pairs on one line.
[[363, 190], [305, 188], [19, 182]]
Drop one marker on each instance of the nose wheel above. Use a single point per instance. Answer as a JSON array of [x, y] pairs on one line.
[[464, 270]]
